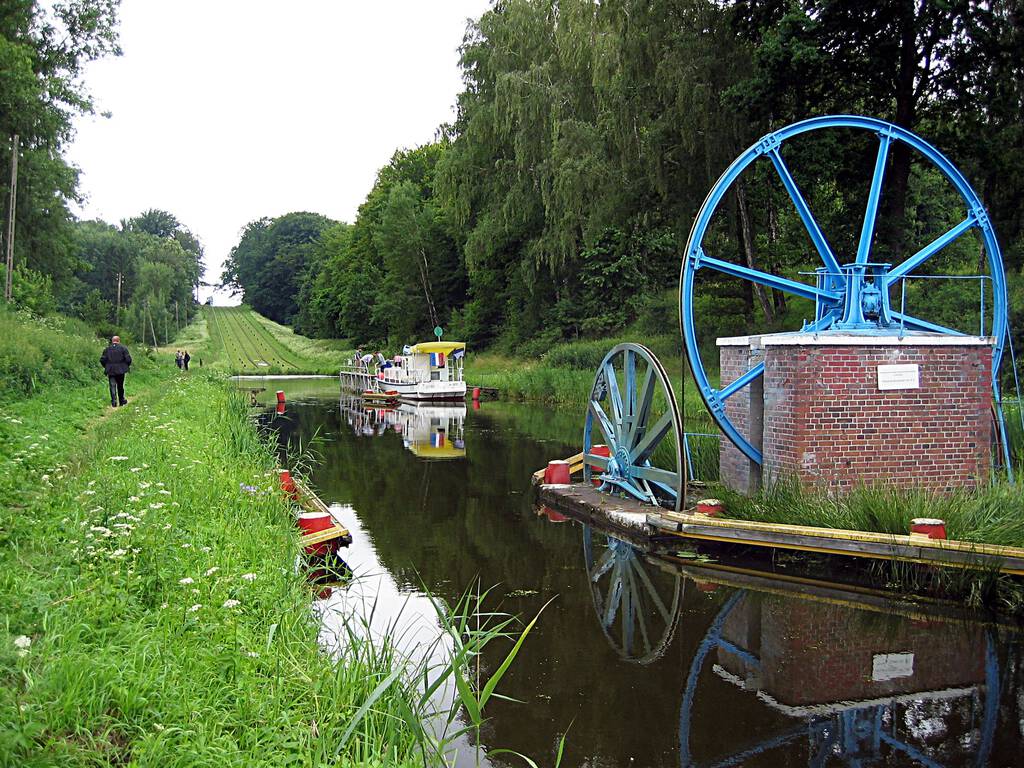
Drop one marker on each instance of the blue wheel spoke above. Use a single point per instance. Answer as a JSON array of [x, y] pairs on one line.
[[656, 475], [645, 447], [867, 233], [636, 429], [610, 436], [764, 278], [923, 325], [820, 243], [614, 396], [728, 391], [601, 462], [606, 562], [630, 375], [931, 249]]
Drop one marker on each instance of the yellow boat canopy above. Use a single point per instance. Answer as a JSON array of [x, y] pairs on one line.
[[447, 347]]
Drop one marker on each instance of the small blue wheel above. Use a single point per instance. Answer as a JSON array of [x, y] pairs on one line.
[[838, 290], [634, 408]]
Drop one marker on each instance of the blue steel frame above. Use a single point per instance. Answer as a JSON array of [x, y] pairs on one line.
[[855, 735], [837, 284]]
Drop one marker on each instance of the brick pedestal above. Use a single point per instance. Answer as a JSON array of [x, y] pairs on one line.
[[830, 423]]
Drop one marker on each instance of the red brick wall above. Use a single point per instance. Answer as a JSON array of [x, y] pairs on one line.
[[734, 467], [827, 423]]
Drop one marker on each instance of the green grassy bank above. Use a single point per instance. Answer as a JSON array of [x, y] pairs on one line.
[[150, 610]]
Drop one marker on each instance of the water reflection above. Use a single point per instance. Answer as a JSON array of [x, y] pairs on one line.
[[839, 679], [434, 431], [604, 659]]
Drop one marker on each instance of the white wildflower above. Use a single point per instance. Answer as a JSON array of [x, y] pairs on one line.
[[144, 485], [22, 643], [163, 605], [119, 458], [165, 493], [195, 607], [249, 576], [230, 603], [118, 553], [158, 505], [135, 469], [89, 493], [186, 545], [186, 580], [211, 571]]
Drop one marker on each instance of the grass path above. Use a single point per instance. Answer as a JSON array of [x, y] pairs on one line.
[[241, 341], [151, 611]]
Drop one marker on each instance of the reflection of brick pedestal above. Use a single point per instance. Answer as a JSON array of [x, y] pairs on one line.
[[815, 653], [831, 420]]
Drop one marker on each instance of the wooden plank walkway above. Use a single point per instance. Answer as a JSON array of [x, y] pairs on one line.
[[654, 527]]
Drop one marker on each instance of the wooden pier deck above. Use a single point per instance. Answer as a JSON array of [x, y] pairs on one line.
[[659, 530]]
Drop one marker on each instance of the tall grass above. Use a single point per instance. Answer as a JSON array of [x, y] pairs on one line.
[[992, 515], [36, 353]]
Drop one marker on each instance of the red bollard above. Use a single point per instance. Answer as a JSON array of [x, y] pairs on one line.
[[280, 395], [557, 473], [288, 484], [598, 450], [280, 409], [314, 522], [476, 393], [932, 527], [710, 507]]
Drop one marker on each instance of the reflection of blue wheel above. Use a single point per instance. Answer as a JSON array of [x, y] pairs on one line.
[[624, 593], [854, 735], [847, 296]]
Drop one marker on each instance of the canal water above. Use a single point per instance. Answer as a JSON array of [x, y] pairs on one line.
[[641, 662]]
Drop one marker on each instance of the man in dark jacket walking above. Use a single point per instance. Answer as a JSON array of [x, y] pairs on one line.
[[116, 360]]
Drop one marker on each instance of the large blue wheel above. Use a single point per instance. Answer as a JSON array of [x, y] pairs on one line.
[[837, 289], [632, 411]]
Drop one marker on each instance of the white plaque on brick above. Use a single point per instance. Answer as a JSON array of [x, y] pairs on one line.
[[889, 666], [899, 376]]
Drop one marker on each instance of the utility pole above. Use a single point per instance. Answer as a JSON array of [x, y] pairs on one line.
[[151, 328], [117, 317], [177, 328], [10, 217]]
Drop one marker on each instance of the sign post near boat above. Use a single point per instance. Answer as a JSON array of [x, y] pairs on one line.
[[438, 331]]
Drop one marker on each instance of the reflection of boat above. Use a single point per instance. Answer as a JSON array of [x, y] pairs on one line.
[[431, 370], [844, 676], [431, 431]]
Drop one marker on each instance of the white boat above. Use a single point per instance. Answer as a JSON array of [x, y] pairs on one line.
[[432, 370]]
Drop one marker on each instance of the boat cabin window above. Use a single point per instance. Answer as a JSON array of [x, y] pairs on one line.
[[435, 375]]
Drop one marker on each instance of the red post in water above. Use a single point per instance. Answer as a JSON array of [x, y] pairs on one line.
[[598, 450], [476, 405], [557, 473], [476, 393], [280, 395], [933, 527], [280, 409]]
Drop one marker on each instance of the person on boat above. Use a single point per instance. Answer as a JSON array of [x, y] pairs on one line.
[[365, 361], [382, 362], [116, 361]]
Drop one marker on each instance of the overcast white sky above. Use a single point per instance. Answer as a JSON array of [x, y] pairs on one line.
[[224, 111]]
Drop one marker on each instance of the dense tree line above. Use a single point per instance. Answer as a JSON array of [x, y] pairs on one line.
[[557, 203], [137, 278]]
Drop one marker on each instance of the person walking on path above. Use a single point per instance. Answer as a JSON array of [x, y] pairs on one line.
[[185, 358], [178, 359], [116, 360]]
